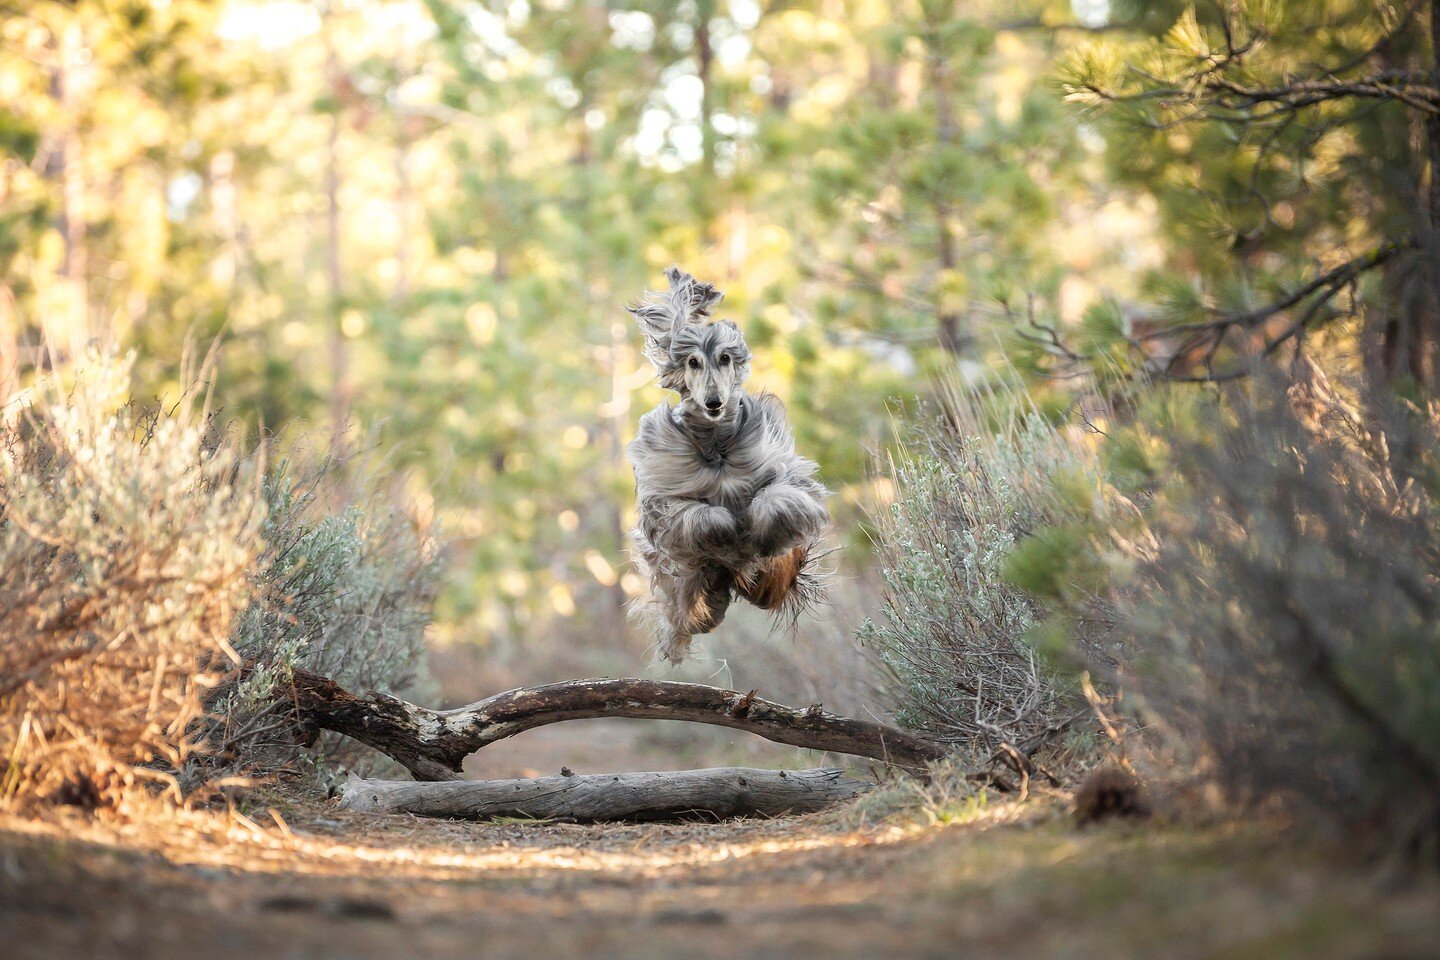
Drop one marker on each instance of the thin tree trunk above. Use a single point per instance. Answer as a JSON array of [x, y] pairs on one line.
[[947, 320], [67, 334], [9, 355], [1402, 334], [705, 61], [1428, 370], [339, 349], [225, 211], [72, 167], [400, 295], [618, 417], [1433, 121]]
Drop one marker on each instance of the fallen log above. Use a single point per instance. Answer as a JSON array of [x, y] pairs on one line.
[[718, 792], [432, 744]]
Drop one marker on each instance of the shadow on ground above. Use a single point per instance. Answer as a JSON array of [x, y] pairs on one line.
[[1017, 880]]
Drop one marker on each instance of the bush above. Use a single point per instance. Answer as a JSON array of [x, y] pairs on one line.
[[156, 592], [345, 594], [1287, 631], [126, 542], [953, 628]]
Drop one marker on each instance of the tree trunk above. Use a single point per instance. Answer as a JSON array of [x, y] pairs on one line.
[[617, 420], [432, 744], [400, 294], [1427, 350], [9, 356], [1403, 331], [339, 349], [705, 63], [72, 170], [225, 210], [66, 324], [947, 320], [719, 793]]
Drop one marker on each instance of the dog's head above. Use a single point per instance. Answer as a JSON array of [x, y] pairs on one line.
[[705, 362], [710, 363]]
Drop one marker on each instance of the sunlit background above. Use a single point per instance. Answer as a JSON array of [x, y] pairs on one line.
[[1113, 325], [420, 221]]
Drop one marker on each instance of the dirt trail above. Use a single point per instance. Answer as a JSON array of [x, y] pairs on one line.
[[1014, 880]]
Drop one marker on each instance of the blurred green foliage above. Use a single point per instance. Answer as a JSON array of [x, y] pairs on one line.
[[857, 175], [1278, 141], [887, 191]]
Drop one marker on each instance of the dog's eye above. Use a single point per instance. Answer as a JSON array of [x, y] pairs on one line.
[[724, 359], [694, 363]]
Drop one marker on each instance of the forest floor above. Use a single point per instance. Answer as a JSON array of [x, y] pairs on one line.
[[286, 877], [1004, 879]]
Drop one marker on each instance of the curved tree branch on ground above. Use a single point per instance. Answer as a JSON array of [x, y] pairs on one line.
[[432, 744]]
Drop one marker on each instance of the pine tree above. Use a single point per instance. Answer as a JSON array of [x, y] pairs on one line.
[[1293, 149]]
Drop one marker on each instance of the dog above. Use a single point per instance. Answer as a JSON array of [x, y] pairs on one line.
[[726, 505]]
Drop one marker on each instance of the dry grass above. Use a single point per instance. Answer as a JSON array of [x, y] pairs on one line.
[[125, 541]]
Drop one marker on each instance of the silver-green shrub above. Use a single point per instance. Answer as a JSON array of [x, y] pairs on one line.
[[1285, 636], [344, 593], [951, 628]]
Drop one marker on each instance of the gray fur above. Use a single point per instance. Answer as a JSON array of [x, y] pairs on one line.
[[719, 484]]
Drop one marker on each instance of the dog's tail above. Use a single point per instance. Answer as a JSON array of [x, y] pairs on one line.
[[790, 584], [661, 314]]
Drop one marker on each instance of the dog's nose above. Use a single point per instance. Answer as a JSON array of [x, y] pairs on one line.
[[713, 404]]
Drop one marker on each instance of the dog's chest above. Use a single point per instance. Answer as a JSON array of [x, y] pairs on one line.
[[727, 483], [670, 462], [727, 478]]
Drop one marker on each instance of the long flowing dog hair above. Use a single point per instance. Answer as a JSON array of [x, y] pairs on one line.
[[726, 506]]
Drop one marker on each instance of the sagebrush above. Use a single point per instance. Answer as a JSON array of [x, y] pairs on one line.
[[346, 592], [1286, 634], [953, 629], [158, 583], [126, 544]]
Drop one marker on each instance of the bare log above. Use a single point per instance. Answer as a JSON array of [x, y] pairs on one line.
[[432, 744], [718, 792]]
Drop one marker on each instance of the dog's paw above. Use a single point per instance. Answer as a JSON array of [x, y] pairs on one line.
[[674, 647], [716, 528], [782, 517]]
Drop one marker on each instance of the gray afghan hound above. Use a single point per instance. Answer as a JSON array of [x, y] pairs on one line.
[[727, 507]]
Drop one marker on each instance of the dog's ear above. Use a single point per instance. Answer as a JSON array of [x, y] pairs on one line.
[[696, 297], [660, 315]]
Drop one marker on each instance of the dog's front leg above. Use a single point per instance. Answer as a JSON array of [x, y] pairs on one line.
[[782, 516], [690, 531], [695, 602], [714, 528]]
